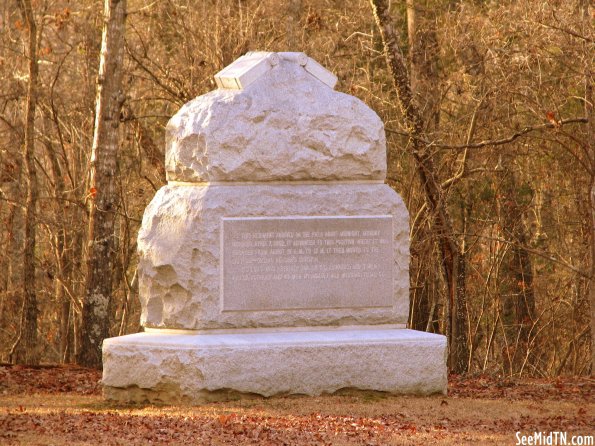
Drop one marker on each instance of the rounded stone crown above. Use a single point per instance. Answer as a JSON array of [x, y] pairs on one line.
[[275, 117]]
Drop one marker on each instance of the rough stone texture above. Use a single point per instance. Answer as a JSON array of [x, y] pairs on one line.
[[197, 368], [276, 147], [286, 125], [179, 252]]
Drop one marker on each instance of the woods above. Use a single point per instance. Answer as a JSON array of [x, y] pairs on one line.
[[24, 349], [489, 115], [103, 196]]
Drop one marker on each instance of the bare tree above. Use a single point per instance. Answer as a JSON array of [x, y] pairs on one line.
[[294, 9], [517, 287], [452, 260], [423, 58], [587, 25], [102, 193], [25, 349]]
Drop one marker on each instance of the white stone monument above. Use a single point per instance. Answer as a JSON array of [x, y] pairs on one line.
[[276, 260]]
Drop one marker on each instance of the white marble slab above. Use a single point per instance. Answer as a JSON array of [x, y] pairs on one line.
[[194, 368]]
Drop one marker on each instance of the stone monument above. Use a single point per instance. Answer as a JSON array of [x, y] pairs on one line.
[[276, 260]]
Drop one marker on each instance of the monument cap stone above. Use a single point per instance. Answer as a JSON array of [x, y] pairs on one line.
[[252, 65], [275, 117]]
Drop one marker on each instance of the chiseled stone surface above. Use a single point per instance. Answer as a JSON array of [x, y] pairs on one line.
[[180, 249], [286, 125], [197, 368], [289, 137]]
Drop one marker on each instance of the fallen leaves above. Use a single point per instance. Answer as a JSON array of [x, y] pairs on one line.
[[558, 389], [61, 406], [49, 379]]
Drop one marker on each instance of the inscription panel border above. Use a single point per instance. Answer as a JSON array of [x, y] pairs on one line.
[[389, 279]]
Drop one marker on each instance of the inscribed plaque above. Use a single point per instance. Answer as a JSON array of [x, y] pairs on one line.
[[285, 263]]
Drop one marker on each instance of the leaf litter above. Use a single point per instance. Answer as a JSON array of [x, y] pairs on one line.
[[60, 405]]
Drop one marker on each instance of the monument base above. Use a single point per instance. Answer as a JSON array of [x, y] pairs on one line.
[[171, 368]]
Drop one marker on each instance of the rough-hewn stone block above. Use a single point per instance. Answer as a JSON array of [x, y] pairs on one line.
[[180, 254], [286, 125], [196, 368]]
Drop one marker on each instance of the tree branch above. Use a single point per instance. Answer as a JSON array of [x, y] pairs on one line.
[[542, 254], [494, 142]]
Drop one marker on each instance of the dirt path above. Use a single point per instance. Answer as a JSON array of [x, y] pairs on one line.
[[63, 405]]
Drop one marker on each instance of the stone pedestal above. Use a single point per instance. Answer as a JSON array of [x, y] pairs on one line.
[[182, 264], [276, 260], [202, 367]]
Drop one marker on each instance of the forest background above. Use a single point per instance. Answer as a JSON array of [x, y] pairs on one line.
[[492, 151]]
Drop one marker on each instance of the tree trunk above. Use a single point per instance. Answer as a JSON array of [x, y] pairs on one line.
[[26, 347], [423, 60], [443, 227], [592, 285], [589, 98], [154, 154], [62, 262], [102, 193], [421, 33], [589, 140], [516, 287], [74, 339], [293, 12], [425, 303]]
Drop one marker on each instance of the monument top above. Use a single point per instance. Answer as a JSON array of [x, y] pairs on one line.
[[254, 64], [275, 117]]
